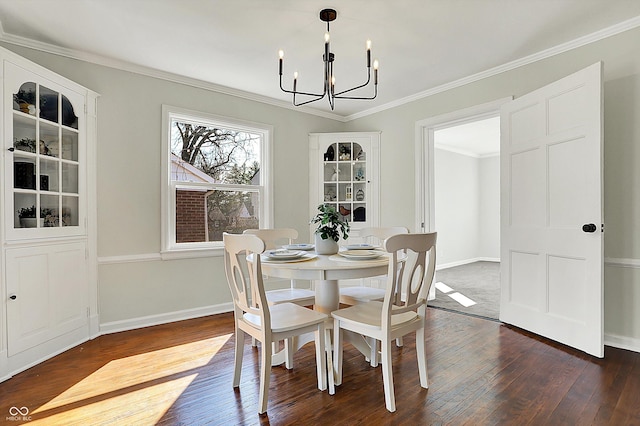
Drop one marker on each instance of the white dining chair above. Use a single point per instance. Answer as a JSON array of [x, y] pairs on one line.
[[354, 295], [256, 317], [273, 238], [402, 311]]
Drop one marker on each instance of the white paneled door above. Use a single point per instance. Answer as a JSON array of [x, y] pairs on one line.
[[551, 211]]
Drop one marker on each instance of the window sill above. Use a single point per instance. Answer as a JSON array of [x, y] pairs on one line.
[[191, 253]]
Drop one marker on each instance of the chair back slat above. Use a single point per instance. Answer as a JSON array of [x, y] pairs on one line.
[[247, 289], [411, 278], [377, 235]]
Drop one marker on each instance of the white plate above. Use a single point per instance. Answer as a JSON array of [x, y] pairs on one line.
[[305, 247], [307, 256], [362, 246], [360, 254], [283, 254]]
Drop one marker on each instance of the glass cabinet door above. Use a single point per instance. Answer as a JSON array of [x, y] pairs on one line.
[[45, 145], [345, 179]]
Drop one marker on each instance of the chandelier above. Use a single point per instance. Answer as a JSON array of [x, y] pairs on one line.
[[328, 15]]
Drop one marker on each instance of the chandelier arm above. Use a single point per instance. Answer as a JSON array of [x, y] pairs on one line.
[[296, 92], [317, 98], [357, 87], [375, 93]]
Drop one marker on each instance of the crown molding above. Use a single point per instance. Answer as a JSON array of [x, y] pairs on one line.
[[151, 72], [556, 50], [155, 73]]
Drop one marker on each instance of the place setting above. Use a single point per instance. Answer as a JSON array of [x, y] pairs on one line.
[[286, 255]]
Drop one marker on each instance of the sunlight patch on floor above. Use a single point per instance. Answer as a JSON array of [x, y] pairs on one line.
[[461, 299], [125, 383], [443, 287]]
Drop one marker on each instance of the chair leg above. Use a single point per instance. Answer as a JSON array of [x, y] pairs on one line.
[[237, 362], [288, 353], [330, 371], [375, 347], [387, 376], [422, 358], [337, 351], [265, 376], [321, 364]]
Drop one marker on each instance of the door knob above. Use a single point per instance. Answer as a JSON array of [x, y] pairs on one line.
[[589, 227], [13, 297]]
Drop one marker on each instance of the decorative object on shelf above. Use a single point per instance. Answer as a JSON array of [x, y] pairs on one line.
[[330, 155], [24, 176], [347, 195], [359, 195], [27, 217], [330, 227], [360, 214], [345, 153], [334, 176], [328, 15], [344, 211], [25, 144], [330, 195], [25, 101], [359, 174]]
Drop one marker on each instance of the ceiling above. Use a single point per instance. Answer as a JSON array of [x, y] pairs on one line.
[[479, 138], [232, 45]]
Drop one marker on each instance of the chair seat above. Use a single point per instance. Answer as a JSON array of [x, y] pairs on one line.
[[299, 296], [287, 316], [369, 315], [357, 295]]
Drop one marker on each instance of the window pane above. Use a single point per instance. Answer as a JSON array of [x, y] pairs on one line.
[[206, 153], [205, 215]]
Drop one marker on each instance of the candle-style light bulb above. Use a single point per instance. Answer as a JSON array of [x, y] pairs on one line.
[[333, 84], [375, 72], [281, 54], [368, 53], [326, 47], [295, 80]]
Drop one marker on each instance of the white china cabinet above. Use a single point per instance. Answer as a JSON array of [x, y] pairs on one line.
[[345, 172], [48, 284]]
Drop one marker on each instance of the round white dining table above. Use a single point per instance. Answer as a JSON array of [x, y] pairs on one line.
[[326, 271]]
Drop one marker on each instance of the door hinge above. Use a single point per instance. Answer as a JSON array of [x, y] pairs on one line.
[[602, 227]]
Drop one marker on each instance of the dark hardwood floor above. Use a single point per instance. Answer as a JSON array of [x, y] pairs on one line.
[[480, 373]]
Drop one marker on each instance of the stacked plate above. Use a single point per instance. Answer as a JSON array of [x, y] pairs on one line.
[[283, 254], [305, 247], [360, 254], [361, 246]]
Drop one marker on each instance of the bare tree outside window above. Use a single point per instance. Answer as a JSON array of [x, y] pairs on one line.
[[229, 160]]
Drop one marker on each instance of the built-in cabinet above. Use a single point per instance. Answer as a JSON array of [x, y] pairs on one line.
[[345, 173], [48, 287]]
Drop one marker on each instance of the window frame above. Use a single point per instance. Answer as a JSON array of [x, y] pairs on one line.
[[170, 248]]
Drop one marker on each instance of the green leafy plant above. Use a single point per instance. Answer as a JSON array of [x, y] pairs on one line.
[[330, 224], [27, 212]]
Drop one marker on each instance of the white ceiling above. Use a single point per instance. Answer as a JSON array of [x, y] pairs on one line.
[[232, 45], [478, 139]]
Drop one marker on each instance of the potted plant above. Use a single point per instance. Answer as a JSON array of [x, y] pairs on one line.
[[330, 227], [27, 217]]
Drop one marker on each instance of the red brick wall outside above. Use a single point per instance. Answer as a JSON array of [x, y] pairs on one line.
[[190, 216]]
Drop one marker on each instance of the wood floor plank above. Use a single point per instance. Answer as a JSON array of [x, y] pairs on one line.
[[480, 373]]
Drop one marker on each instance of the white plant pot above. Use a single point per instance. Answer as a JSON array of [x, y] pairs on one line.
[[327, 246], [30, 222]]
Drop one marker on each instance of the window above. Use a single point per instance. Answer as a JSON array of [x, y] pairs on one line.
[[216, 178]]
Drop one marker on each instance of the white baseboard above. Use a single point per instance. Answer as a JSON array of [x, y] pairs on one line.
[[147, 321], [467, 261], [622, 342]]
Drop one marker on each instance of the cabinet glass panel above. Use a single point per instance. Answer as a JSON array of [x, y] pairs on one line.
[[48, 104], [49, 144], [69, 117], [359, 212], [25, 100], [25, 206], [49, 210], [69, 211], [49, 175], [24, 172], [69, 178], [69, 145], [24, 133]]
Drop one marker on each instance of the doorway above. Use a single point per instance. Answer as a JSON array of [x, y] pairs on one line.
[[461, 201]]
